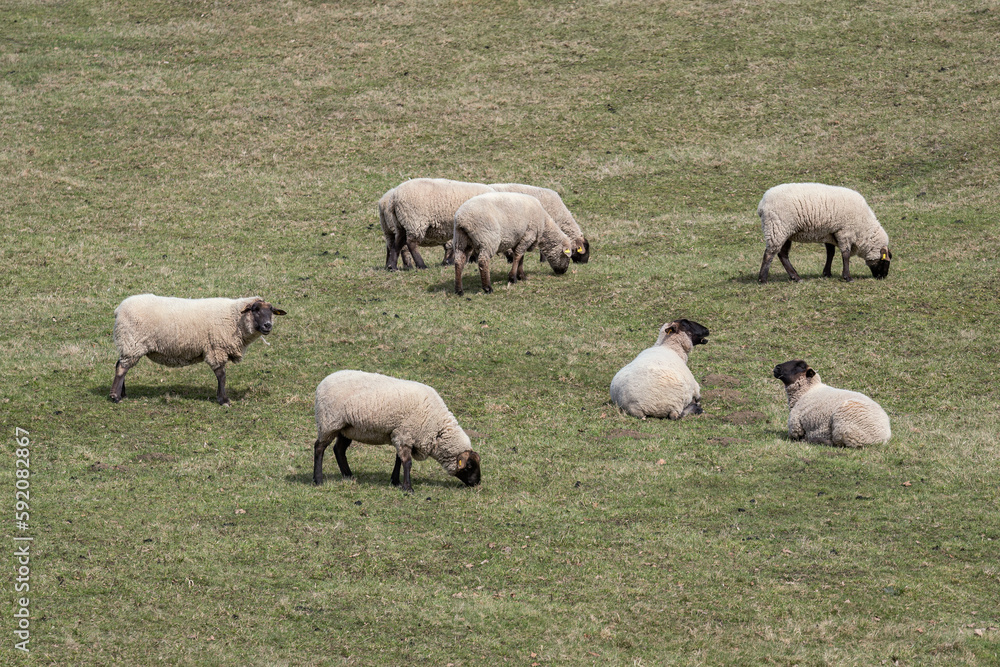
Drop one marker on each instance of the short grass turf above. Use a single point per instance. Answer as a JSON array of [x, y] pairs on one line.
[[236, 148]]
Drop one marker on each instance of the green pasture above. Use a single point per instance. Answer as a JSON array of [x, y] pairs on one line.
[[234, 148]]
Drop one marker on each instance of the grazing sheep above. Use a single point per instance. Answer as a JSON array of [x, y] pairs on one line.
[[180, 332], [421, 212], [824, 414], [501, 221], [554, 206], [381, 410], [658, 383], [817, 213]]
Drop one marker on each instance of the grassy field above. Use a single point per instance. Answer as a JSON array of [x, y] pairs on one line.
[[235, 148]]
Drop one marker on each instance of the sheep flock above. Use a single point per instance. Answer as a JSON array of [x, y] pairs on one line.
[[474, 222]]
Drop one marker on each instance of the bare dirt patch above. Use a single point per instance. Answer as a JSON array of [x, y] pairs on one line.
[[720, 380], [725, 442], [726, 394]]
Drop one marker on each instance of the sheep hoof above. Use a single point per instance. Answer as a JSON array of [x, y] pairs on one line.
[[115, 399], [488, 290]]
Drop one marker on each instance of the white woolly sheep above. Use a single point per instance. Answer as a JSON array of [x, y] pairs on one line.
[[658, 383], [824, 414], [501, 221], [180, 332], [381, 410], [554, 206], [816, 213], [421, 212]]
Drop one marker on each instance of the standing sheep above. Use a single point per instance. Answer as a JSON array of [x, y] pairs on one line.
[[180, 332], [817, 213], [658, 383], [381, 410], [554, 206], [500, 221], [820, 413], [421, 212]]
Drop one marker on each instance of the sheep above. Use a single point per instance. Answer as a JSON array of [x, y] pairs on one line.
[[501, 221], [381, 410], [554, 206], [817, 213], [658, 383], [180, 332], [824, 414], [421, 212]]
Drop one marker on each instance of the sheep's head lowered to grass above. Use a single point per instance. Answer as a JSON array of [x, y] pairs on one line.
[[468, 468], [880, 266]]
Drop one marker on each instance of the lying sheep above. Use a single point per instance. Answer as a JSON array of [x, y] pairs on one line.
[[817, 213], [421, 212], [500, 221], [180, 332], [380, 410], [658, 382], [554, 206], [824, 414]]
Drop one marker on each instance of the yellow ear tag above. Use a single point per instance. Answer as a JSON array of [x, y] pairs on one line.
[[461, 464], [884, 256], [580, 250], [566, 252]]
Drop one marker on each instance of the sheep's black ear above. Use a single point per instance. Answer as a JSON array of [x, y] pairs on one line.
[[247, 308], [810, 372], [278, 311]]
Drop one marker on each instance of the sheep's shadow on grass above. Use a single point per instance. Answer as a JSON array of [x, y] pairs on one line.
[[184, 392], [370, 479], [473, 285], [751, 278]]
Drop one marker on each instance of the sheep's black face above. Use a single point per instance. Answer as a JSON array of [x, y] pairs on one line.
[[262, 313], [698, 333], [880, 267], [790, 371], [468, 468]]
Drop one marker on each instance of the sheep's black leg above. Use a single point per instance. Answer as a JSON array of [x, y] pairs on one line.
[[340, 451], [395, 471], [118, 384], [319, 448], [390, 255], [407, 463], [418, 260], [830, 249], [785, 262], [484, 274], [459, 269], [765, 264], [845, 252], [220, 394]]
